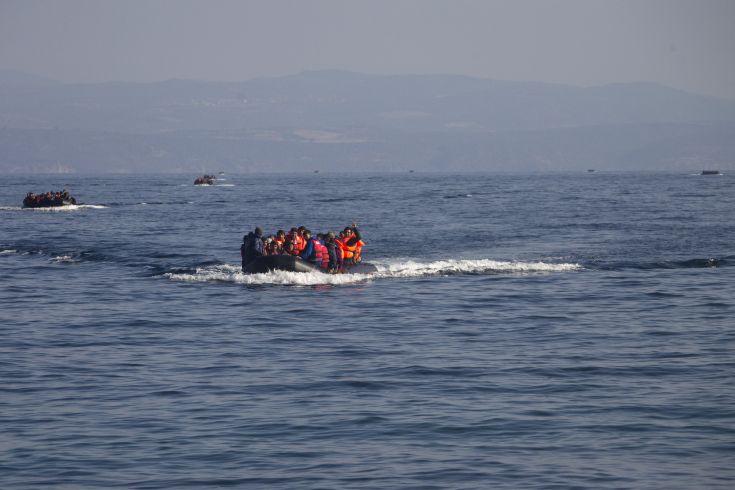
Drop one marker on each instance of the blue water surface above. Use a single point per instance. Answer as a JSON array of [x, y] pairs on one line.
[[530, 331]]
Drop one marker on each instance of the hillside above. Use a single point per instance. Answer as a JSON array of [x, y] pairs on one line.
[[348, 121]]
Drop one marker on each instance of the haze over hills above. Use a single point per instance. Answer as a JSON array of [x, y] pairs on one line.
[[332, 120]]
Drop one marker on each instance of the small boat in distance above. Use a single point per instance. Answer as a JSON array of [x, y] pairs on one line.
[[710, 172], [48, 200], [590, 170], [205, 180]]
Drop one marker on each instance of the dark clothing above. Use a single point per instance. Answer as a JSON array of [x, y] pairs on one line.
[[309, 252], [251, 249], [332, 251]]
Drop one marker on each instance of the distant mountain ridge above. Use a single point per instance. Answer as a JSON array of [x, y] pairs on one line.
[[367, 119]]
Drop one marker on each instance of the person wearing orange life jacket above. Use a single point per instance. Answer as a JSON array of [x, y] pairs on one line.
[[298, 240], [291, 235], [280, 238], [352, 244], [339, 251]]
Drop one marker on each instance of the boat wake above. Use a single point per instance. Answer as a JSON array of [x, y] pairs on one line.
[[411, 268], [391, 269]]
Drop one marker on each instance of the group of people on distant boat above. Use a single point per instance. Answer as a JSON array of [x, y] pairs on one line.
[[205, 179], [48, 199], [333, 253]]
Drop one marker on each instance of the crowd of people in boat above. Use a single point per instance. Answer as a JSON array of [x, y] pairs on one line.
[[205, 179], [332, 252], [48, 199]]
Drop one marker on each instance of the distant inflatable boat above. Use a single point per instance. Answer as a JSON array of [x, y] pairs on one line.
[[205, 180], [42, 201], [52, 203], [710, 172], [292, 263]]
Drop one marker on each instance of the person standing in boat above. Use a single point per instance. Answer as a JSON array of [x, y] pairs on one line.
[[351, 243], [252, 247], [332, 251]]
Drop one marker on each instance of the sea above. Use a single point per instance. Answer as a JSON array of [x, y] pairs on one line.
[[524, 331]]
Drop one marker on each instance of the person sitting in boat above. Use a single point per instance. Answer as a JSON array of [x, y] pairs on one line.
[[323, 251], [294, 235], [289, 248], [252, 247], [300, 240], [309, 250], [314, 251], [280, 238], [272, 246]]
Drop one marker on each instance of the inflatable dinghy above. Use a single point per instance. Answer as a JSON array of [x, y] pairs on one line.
[[292, 263], [45, 202], [205, 180]]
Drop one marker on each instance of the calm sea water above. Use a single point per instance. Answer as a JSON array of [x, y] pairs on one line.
[[524, 331]]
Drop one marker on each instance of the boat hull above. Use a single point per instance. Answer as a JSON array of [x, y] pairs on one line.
[[292, 263], [49, 204]]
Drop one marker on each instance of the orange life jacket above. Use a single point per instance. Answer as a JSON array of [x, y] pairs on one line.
[[338, 249], [358, 250], [348, 251], [299, 243]]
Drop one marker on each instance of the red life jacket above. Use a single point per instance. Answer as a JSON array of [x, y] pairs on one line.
[[319, 252], [325, 256]]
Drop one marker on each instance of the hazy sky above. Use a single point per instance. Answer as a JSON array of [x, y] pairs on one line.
[[688, 44]]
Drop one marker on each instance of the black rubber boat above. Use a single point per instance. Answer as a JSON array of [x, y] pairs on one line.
[[291, 263], [48, 203], [205, 180]]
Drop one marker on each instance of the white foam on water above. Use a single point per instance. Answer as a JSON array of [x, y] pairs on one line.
[[410, 268], [393, 269], [224, 185], [234, 274], [8, 252], [63, 259], [91, 206]]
